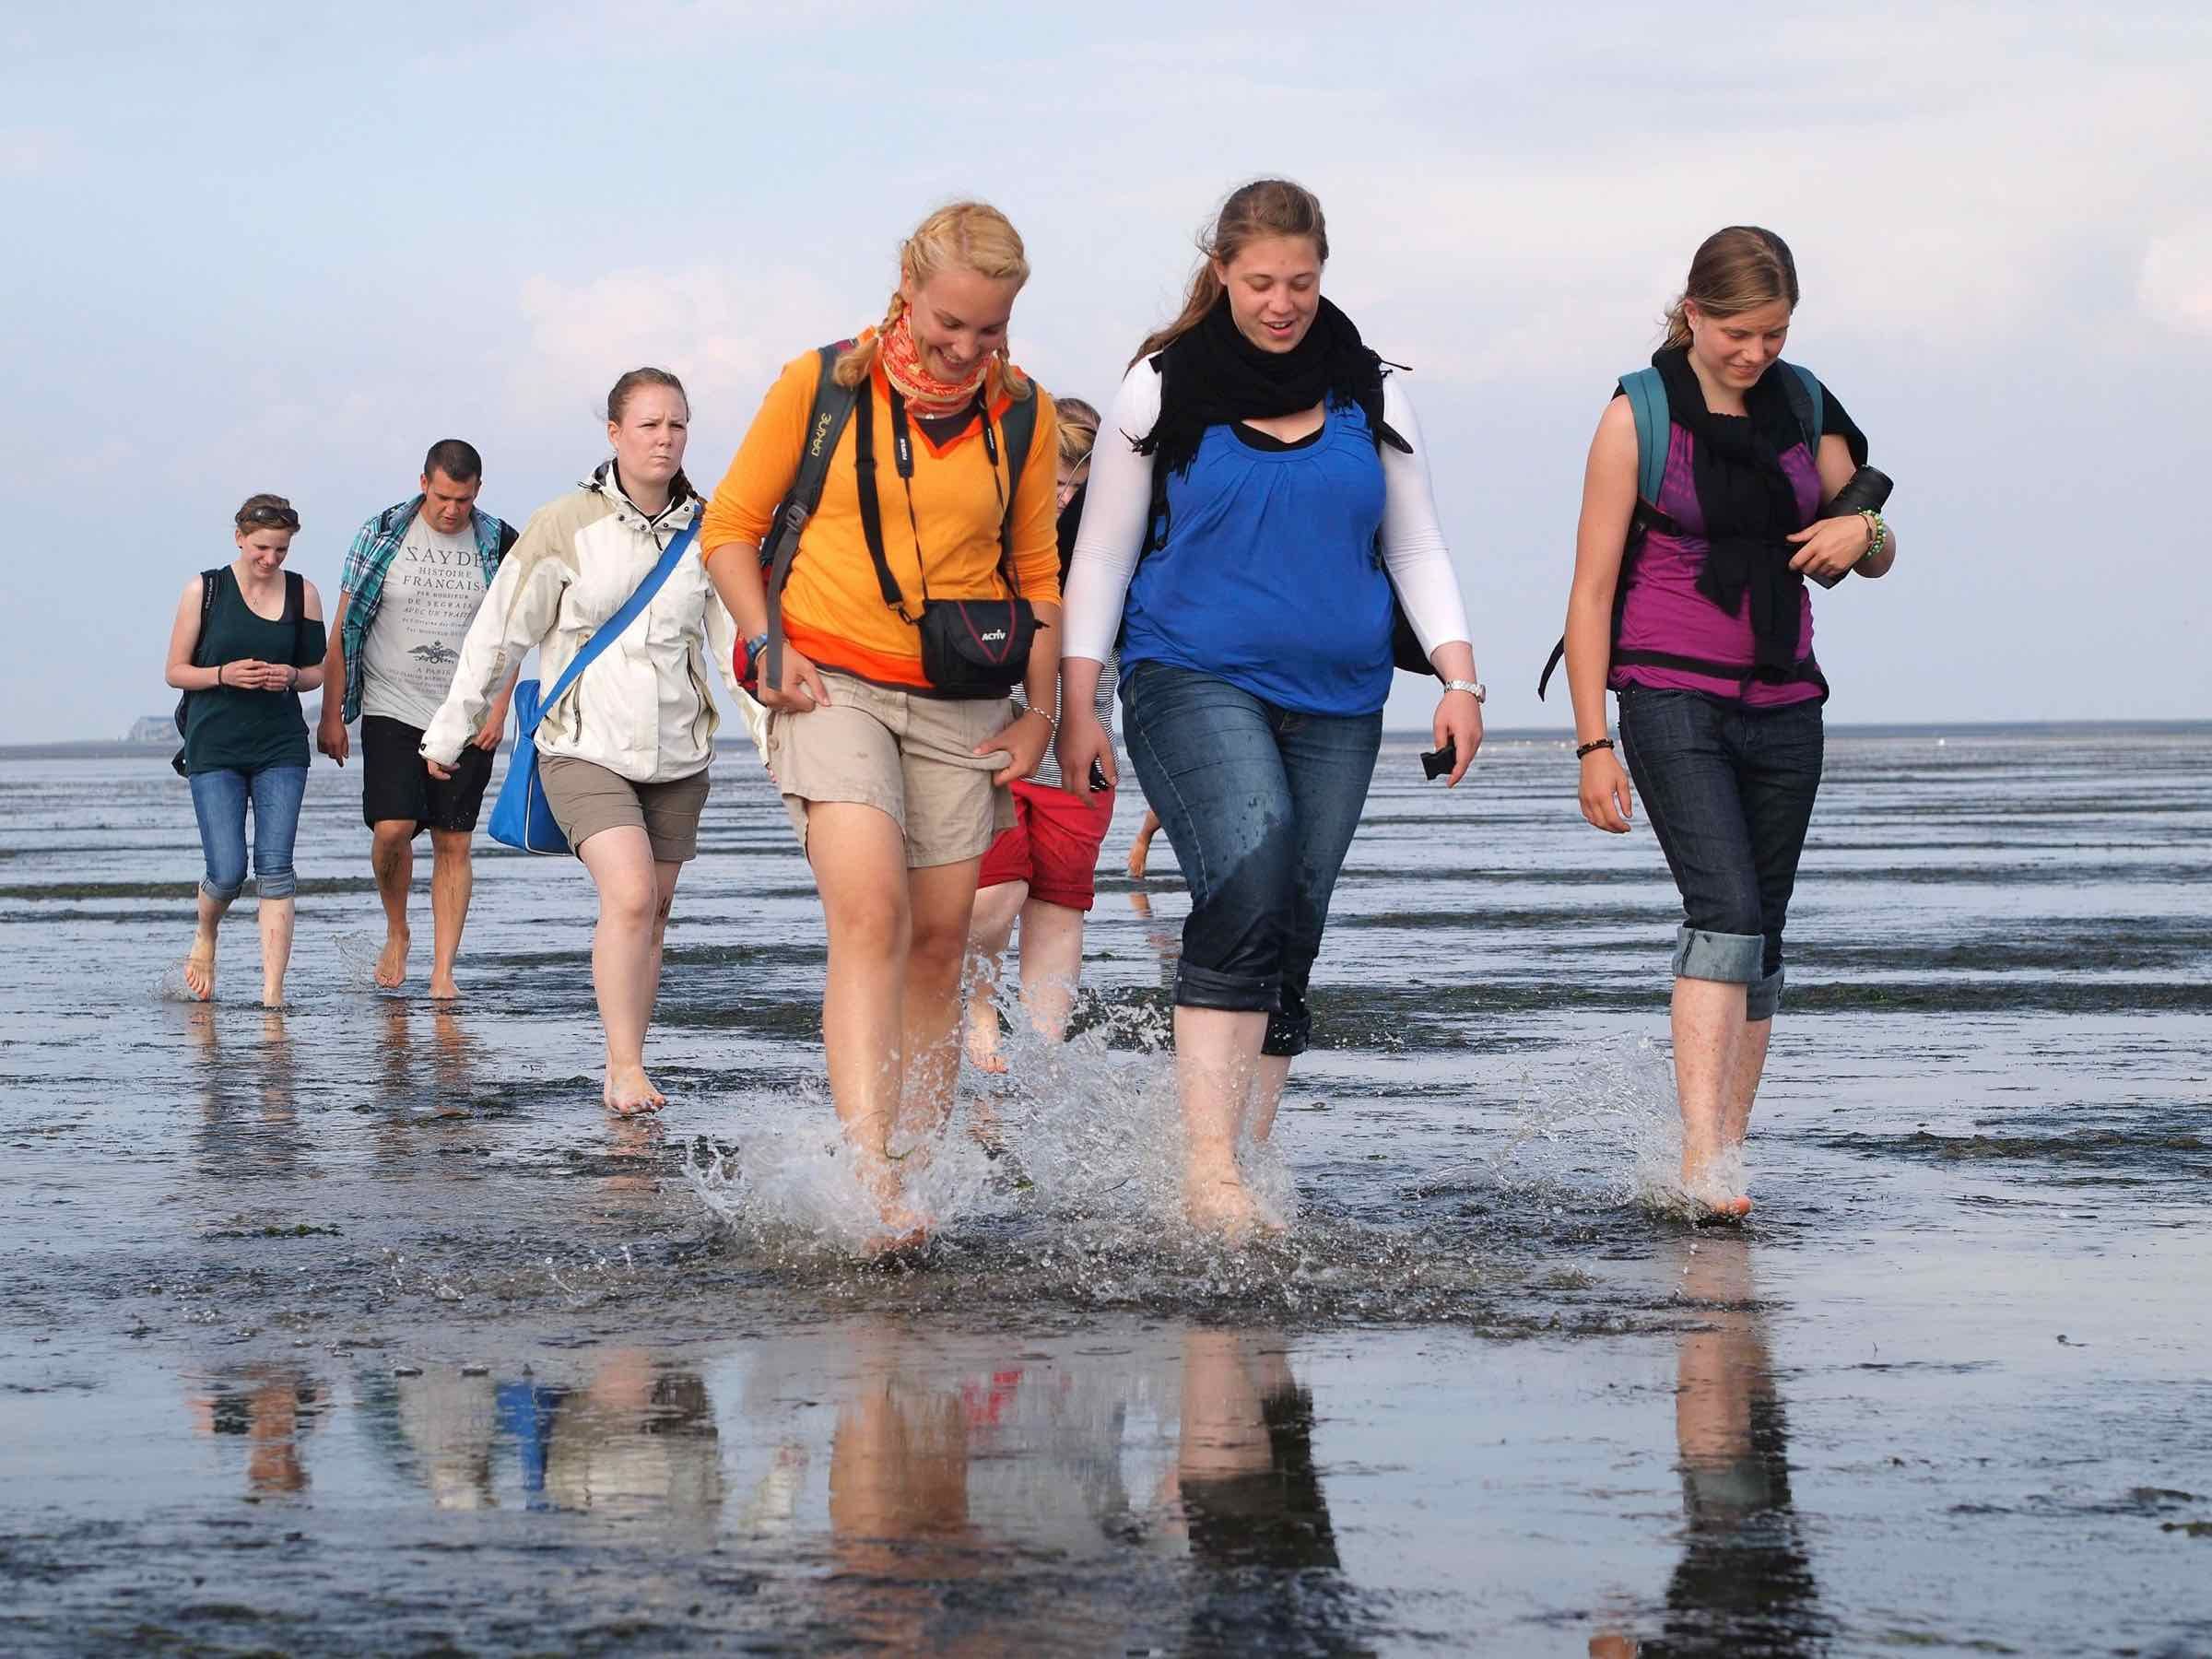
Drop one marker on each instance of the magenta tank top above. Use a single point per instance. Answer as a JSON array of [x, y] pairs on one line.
[[1663, 611]]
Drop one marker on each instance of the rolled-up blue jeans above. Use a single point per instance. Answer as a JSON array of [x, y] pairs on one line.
[[218, 800], [1260, 804], [1729, 791]]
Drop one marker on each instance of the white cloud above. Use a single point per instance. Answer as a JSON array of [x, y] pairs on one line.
[[2175, 286]]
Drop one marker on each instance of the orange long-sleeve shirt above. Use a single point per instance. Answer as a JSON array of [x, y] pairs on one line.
[[834, 608]]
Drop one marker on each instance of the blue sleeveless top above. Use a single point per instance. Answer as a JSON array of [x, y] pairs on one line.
[[1269, 579]]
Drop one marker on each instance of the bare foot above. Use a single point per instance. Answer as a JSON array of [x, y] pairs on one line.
[[629, 1091], [443, 988], [1223, 1206], [1706, 1179], [1139, 858], [982, 1039], [199, 967], [392, 962], [904, 1227]]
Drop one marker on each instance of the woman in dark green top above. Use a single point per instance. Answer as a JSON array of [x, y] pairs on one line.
[[248, 640]]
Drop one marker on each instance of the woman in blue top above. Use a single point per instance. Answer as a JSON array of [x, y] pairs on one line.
[[1247, 544]]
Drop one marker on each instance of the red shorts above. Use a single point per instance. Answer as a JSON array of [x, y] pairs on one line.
[[1053, 845]]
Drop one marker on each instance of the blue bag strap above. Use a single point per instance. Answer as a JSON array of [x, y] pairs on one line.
[[1812, 410], [612, 630], [1647, 401]]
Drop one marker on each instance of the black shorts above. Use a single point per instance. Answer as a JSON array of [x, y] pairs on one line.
[[396, 782]]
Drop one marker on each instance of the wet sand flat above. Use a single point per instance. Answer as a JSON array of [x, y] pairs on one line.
[[359, 1328]]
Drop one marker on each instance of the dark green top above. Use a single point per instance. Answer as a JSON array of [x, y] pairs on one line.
[[226, 728]]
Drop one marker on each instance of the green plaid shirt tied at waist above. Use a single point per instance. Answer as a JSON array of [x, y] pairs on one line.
[[370, 556]]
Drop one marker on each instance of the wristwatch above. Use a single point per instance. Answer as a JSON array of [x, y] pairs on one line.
[[1474, 689]]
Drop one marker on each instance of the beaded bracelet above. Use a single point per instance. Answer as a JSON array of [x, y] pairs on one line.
[[1877, 532], [1593, 747]]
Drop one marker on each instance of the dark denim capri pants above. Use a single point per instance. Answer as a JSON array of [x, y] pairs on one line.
[[1260, 804], [1729, 791]]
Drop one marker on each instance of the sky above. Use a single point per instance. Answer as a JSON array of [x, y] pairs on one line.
[[284, 247]]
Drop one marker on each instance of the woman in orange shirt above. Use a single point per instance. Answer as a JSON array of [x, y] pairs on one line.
[[894, 762]]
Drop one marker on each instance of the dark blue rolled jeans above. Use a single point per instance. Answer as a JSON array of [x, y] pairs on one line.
[[1729, 791], [1260, 804], [218, 800]]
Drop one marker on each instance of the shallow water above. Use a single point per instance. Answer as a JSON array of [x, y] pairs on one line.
[[358, 1327]]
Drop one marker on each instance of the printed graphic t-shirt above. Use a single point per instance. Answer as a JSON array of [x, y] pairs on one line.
[[431, 594]]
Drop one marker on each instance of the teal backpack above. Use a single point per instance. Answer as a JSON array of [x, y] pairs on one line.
[[1646, 393]]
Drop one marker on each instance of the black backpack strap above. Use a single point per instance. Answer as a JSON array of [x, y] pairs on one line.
[[833, 405], [509, 536], [1017, 431], [294, 608], [871, 507]]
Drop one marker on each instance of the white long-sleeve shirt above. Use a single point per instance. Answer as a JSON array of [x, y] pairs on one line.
[[1120, 501]]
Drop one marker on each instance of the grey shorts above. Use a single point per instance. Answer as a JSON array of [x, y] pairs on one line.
[[904, 755], [586, 798]]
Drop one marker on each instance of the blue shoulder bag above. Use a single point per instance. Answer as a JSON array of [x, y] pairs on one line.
[[522, 816]]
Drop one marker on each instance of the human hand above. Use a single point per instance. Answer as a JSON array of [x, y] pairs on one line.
[[1024, 739], [1083, 743], [803, 687], [1458, 724], [332, 737], [1830, 548], [445, 774], [1607, 802], [494, 727]]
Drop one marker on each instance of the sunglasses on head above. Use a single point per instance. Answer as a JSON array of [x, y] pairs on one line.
[[282, 517]]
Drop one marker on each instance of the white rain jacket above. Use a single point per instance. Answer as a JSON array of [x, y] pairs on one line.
[[644, 709]]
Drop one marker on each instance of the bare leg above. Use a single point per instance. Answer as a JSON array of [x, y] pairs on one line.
[[1216, 1052], [663, 882], [199, 962], [1743, 1081], [275, 948], [1269, 1077], [1709, 1030], [1052, 964], [940, 904], [1140, 850], [859, 861], [623, 958], [392, 856], [988, 934], [452, 878]]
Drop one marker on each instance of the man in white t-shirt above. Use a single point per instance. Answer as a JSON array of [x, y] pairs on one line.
[[415, 577]]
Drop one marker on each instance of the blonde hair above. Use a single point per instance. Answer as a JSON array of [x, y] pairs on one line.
[[1264, 207], [965, 236], [1735, 270], [1079, 430]]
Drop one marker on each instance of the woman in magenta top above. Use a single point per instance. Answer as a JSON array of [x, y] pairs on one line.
[[1693, 610]]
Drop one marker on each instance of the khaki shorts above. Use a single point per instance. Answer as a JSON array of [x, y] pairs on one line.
[[586, 798], [904, 755]]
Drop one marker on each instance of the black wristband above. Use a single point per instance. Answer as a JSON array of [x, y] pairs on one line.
[[1590, 747]]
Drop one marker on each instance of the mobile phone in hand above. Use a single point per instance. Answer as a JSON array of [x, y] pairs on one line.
[[1438, 763], [1098, 777]]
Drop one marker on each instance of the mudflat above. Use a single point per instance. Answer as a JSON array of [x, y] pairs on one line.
[[359, 1327]]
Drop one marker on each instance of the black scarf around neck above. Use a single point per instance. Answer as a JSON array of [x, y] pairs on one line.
[[1211, 375], [1750, 504]]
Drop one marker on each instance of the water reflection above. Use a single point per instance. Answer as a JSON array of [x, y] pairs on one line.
[[947, 1487], [248, 1120], [1745, 1583], [633, 1437], [273, 1408], [421, 1084]]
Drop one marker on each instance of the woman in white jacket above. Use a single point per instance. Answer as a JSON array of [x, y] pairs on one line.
[[624, 755]]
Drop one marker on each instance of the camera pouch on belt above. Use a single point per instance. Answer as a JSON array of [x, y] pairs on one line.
[[971, 648]]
